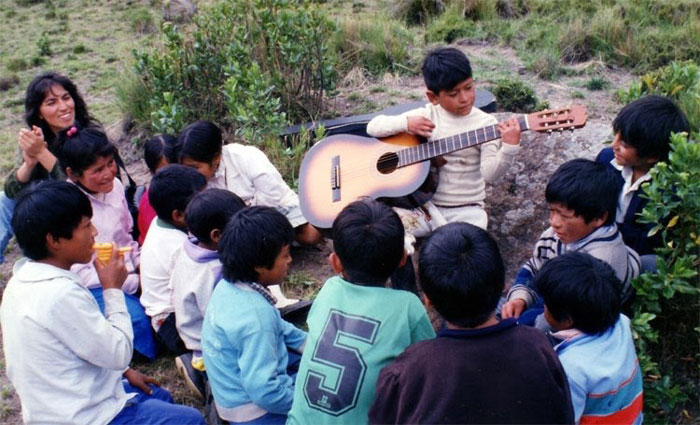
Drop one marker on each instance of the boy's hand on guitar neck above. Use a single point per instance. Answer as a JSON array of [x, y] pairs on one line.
[[419, 126], [510, 131]]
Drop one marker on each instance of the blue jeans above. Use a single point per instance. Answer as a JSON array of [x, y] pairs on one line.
[[157, 408], [7, 206]]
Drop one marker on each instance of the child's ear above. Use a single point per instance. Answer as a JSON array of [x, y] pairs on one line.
[[178, 218], [53, 243], [335, 263], [216, 162], [71, 174], [432, 97], [215, 236], [403, 259]]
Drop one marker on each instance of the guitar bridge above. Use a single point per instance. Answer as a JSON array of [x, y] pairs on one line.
[[335, 178]]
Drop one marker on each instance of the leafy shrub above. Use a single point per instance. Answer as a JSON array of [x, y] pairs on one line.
[[667, 301], [79, 48], [516, 96], [6, 83], [597, 83], [236, 52], [378, 45], [452, 26], [288, 154], [43, 45], [679, 81]]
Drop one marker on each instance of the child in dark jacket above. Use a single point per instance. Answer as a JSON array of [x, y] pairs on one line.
[[642, 138], [478, 369]]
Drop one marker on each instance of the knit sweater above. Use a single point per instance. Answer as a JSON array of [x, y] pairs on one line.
[[604, 243], [463, 178]]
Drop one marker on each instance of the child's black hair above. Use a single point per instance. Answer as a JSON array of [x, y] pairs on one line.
[[47, 207], [201, 141], [462, 273], [582, 288], [368, 238], [587, 187], [254, 237], [161, 146], [444, 68], [209, 210], [81, 147], [647, 123], [171, 189]]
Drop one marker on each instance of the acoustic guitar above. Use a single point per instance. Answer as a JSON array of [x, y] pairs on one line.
[[342, 168]]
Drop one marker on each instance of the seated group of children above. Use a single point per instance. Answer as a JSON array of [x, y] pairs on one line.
[[371, 353]]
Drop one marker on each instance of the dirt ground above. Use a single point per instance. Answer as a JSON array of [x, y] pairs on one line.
[[515, 203]]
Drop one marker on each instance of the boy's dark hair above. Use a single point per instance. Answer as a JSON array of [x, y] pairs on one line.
[[254, 237], [82, 148], [201, 141], [47, 207], [34, 97], [444, 68], [161, 146], [171, 189], [462, 273], [647, 123], [587, 187], [582, 288], [368, 238], [211, 209]]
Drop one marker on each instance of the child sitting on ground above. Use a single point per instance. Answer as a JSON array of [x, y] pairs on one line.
[[87, 158], [170, 191], [582, 304], [245, 171], [159, 151], [451, 379], [244, 338], [461, 189], [356, 325], [63, 357], [197, 269], [582, 198], [642, 138]]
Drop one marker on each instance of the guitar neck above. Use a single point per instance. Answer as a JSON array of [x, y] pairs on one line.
[[428, 150]]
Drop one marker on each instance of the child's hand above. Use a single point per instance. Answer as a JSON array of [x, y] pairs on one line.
[[510, 131], [140, 381], [513, 308], [113, 274], [420, 126]]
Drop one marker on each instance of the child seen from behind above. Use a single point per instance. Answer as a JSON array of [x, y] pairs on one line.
[[582, 304], [245, 341], [356, 324], [479, 369], [197, 270], [169, 192]]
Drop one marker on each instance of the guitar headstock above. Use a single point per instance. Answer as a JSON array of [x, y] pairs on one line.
[[557, 119]]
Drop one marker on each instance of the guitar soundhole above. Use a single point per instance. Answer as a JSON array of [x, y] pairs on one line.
[[387, 163]]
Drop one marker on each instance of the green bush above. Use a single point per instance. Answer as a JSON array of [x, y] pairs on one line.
[[236, 52], [6, 83], [16, 64], [43, 45], [417, 11], [666, 306], [679, 81], [516, 96], [597, 83], [377, 44], [141, 20], [452, 26]]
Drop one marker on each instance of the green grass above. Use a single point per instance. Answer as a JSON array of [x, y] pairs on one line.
[[89, 42]]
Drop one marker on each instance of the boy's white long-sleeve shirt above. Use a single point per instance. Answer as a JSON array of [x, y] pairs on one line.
[[463, 178], [64, 358]]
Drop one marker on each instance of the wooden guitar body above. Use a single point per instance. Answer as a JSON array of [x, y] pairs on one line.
[[356, 167]]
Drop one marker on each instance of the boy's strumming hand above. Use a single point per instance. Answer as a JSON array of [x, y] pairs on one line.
[[113, 274], [420, 126], [513, 308], [140, 381], [510, 131]]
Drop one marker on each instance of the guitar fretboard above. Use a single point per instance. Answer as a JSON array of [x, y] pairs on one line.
[[428, 150]]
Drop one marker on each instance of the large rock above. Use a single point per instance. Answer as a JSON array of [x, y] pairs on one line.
[[178, 10]]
